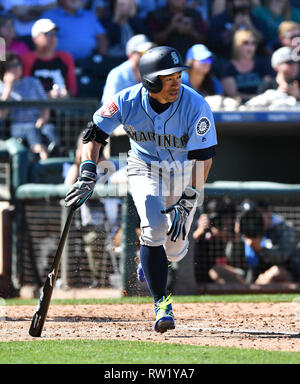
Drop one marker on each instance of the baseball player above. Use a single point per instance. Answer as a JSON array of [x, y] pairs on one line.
[[173, 139]]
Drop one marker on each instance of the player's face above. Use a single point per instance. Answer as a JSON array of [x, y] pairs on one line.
[[170, 88]]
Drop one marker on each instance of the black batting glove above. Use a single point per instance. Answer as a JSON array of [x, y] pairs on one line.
[[84, 186], [181, 211]]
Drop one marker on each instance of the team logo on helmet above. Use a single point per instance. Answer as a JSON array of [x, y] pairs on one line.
[[203, 126], [175, 57]]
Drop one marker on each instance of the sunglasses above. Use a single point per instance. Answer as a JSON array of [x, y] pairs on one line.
[[51, 33], [209, 60], [293, 36]]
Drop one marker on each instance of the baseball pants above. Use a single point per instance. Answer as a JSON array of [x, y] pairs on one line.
[[155, 187]]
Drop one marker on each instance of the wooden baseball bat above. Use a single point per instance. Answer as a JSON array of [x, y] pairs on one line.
[[41, 311]]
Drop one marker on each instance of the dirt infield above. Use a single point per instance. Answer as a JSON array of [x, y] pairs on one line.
[[269, 326]]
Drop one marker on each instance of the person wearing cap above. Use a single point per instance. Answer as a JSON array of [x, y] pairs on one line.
[[126, 74], [55, 69], [199, 58], [79, 31], [285, 64]]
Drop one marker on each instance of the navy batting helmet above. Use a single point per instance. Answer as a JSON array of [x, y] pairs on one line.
[[159, 61]]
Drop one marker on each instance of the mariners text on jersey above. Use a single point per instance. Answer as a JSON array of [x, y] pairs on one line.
[[184, 131]]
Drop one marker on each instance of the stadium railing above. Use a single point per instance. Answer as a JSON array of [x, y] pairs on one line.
[[69, 116]]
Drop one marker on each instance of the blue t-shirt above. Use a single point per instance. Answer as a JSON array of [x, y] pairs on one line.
[[76, 33], [119, 78]]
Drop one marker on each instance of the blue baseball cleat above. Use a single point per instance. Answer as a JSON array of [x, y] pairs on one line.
[[164, 315]]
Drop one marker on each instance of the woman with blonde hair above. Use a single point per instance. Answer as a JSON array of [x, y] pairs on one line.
[[245, 72], [273, 13]]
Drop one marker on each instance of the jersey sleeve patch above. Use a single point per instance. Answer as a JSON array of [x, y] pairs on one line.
[[203, 126], [109, 109]]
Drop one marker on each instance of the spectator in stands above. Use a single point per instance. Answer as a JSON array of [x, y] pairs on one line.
[[201, 6], [25, 14], [101, 8], [126, 74], [99, 219], [144, 7], [177, 26], [79, 31], [236, 16], [28, 124], [122, 25], [200, 76], [8, 33], [219, 6], [245, 72], [288, 36], [287, 70], [55, 69], [214, 237], [270, 244], [273, 13]]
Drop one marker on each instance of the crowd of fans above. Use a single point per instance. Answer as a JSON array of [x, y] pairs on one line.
[[241, 53], [53, 37]]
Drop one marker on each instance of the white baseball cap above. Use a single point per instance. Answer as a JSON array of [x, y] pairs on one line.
[[42, 26], [282, 55], [138, 43]]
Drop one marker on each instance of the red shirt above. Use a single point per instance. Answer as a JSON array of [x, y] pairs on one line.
[[60, 70]]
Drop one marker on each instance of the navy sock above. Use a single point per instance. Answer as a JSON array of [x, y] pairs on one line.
[[155, 266]]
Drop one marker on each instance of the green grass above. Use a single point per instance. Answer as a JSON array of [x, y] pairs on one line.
[[138, 352], [133, 352], [246, 298]]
